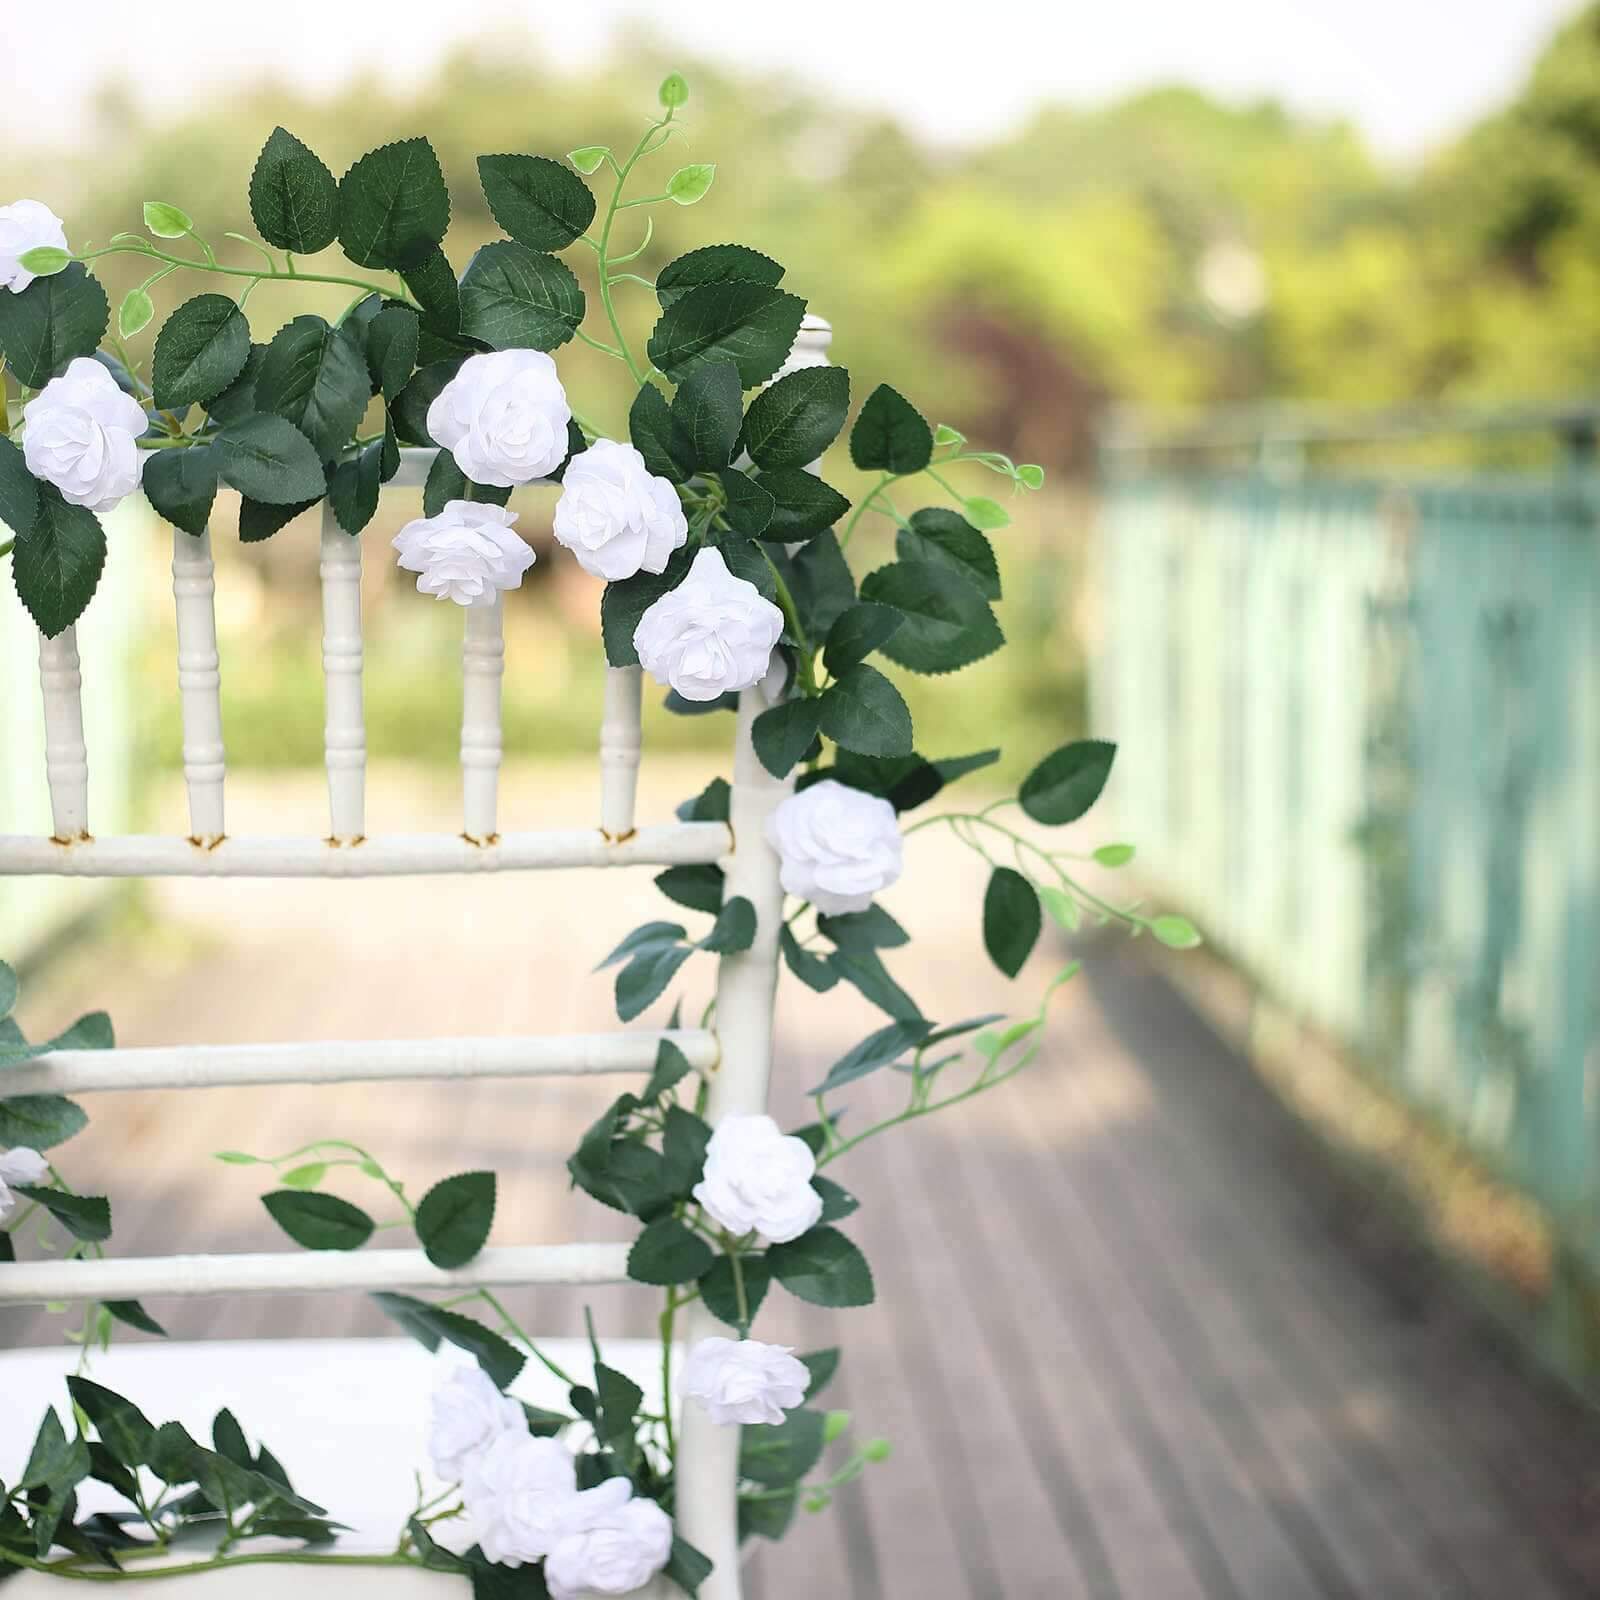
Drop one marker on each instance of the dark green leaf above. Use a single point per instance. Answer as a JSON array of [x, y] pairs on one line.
[[268, 459], [1011, 919], [683, 1149], [9, 989], [319, 1221], [746, 559], [750, 508], [715, 263], [515, 298], [391, 349], [134, 1315], [890, 434], [625, 602], [432, 282], [858, 632], [875, 1051], [864, 969], [721, 1296], [454, 1218], [619, 1400], [429, 1324], [793, 421], [55, 1462], [105, 1468], [393, 205], [238, 400], [123, 1428], [293, 197], [84, 1216], [644, 980], [353, 489], [316, 377], [1067, 782], [803, 505], [686, 1566], [821, 1364], [543, 1424], [39, 1121], [710, 805], [182, 486], [201, 349], [258, 521], [53, 321], [872, 929], [57, 563], [811, 970], [947, 539], [750, 324], [667, 1252], [778, 1456], [735, 929], [708, 411], [820, 581], [837, 1201], [766, 1516], [698, 887], [647, 936], [172, 1454], [628, 1176], [539, 202], [90, 1032], [863, 711], [954, 767], [671, 1067], [409, 411], [658, 438], [19, 490], [227, 1439], [447, 482], [948, 622], [823, 1267], [783, 733]]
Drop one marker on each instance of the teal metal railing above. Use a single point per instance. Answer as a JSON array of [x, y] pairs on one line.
[[1359, 719]]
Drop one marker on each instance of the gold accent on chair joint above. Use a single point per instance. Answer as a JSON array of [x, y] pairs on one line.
[[207, 842], [488, 841], [618, 838], [83, 837]]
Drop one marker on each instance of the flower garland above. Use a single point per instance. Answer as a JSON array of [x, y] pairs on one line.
[[723, 558]]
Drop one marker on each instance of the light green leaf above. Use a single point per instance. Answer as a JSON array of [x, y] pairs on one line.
[[1114, 855], [674, 91], [691, 183], [1176, 933], [166, 221], [944, 435], [983, 512], [1063, 909], [586, 158], [305, 1177], [135, 313], [1030, 476], [44, 260]]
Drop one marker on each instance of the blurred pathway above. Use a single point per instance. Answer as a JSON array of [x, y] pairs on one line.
[[1132, 1339]]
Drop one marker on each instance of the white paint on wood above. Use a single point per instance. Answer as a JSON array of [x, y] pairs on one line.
[[621, 739], [66, 757], [352, 1061], [199, 682], [483, 651], [345, 733]]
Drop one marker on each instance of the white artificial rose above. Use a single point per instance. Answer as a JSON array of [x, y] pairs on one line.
[[758, 1179], [519, 1493], [467, 553], [711, 634], [615, 516], [20, 1165], [469, 1414], [839, 846], [503, 417], [26, 225], [614, 1550], [743, 1380], [82, 436]]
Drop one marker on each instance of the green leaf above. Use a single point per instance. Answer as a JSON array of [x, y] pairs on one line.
[[715, 263], [667, 1252], [182, 486], [53, 321], [684, 1142], [353, 488], [19, 490], [391, 349], [134, 1315], [319, 1221], [691, 183], [864, 969], [750, 507], [657, 437], [819, 578], [55, 1462], [166, 221], [586, 158], [811, 970], [432, 280], [516, 298], [796, 418], [750, 324], [619, 1400], [9, 988], [948, 622], [803, 505], [258, 521], [625, 602], [710, 805], [315, 376], [708, 412], [238, 400], [686, 1566], [454, 1218], [84, 1216], [735, 929], [890, 434], [986, 513], [672, 1065], [863, 711], [294, 199], [201, 349], [57, 563], [136, 313], [783, 733], [945, 539], [539, 202], [722, 1297], [1062, 907], [824, 1268], [872, 929], [409, 410], [44, 260], [393, 204], [673, 92], [429, 1324], [307, 1176], [647, 936], [1067, 782], [1011, 920], [645, 978], [778, 1456], [90, 1032], [123, 1428], [875, 1051], [858, 632], [1114, 855], [821, 1364], [1176, 933], [698, 887], [228, 1439], [268, 459]]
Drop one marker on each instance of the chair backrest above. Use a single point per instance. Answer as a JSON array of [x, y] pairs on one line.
[[735, 1057]]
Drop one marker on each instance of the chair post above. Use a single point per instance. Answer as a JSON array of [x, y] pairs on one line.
[[621, 739], [199, 683], [66, 756], [344, 732], [483, 651]]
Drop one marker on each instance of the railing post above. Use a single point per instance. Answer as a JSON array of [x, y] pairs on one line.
[[66, 757], [483, 651], [344, 733], [199, 683], [621, 739]]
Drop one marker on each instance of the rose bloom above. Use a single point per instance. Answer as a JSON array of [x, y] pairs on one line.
[[26, 225], [469, 1414], [619, 1546], [82, 436], [839, 846], [20, 1165], [711, 634], [743, 1380], [503, 417], [615, 516], [520, 1493], [758, 1179], [467, 553]]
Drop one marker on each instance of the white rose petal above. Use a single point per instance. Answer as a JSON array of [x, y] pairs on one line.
[[503, 417], [520, 1494], [615, 1551], [82, 435], [839, 846], [615, 516], [758, 1178], [19, 1165], [712, 634], [26, 225], [467, 553], [743, 1380], [469, 1414]]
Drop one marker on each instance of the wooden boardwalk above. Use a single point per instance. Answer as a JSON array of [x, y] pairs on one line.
[[1133, 1339]]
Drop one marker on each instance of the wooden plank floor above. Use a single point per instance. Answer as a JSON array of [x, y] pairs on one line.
[[1132, 1340]]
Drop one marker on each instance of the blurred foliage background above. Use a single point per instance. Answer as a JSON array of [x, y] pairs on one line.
[[1167, 250]]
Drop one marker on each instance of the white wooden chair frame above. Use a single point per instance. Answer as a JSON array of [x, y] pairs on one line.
[[736, 1058]]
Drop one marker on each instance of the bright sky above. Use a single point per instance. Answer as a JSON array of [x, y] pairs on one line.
[[1410, 72]]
